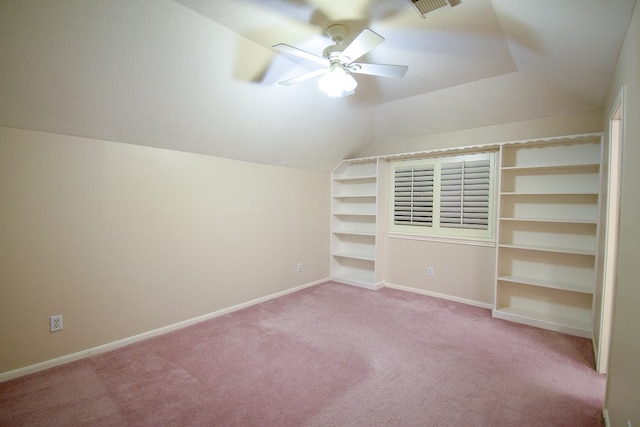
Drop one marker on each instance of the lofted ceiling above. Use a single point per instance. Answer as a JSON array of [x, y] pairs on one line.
[[200, 75]]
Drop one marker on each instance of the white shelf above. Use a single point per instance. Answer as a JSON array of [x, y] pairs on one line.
[[353, 225], [354, 272], [576, 251], [548, 193], [554, 180], [362, 282], [354, 233], [547, 234], [572, 287], [551, 153], [553, 167], [355, 178], [354, 190], [355, 255], [550, 206], [353, 196], [558, 220], [345, 213]]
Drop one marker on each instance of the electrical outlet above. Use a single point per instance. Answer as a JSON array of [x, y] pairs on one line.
[[299, 267], [55, 323], [430, 271]]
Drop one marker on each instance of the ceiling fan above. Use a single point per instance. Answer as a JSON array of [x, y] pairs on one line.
[[338, 62]]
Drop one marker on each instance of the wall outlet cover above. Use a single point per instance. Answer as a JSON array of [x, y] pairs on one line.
[[55, 323]]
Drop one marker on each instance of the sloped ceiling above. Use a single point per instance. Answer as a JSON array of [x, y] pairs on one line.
[[200, 75]]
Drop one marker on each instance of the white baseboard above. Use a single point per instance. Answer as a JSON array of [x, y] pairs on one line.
[[9, 375], [441, 296]]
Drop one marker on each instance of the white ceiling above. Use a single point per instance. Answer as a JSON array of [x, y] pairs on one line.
[[200, 75]]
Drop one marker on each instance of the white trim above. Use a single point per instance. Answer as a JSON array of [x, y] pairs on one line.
[[475, 148], [605, 415], [441, 296], [607, 277], [551, 323], [9, 375]]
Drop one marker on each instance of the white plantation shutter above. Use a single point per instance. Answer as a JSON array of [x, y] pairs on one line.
[[464, 194], [444, 196], [413, 195]]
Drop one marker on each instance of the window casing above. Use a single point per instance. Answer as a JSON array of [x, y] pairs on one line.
[[444, 196]]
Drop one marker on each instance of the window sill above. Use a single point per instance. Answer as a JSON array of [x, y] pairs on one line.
[[437, 239]]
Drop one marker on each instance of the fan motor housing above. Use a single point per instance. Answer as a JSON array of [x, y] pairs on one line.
[[333, 53]]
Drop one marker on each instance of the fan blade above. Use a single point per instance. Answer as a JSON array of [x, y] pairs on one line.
[[303, 77], [362, 44], [285, 48], [383, 70]]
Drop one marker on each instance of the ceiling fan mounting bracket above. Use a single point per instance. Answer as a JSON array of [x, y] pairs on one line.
[[337, 32]]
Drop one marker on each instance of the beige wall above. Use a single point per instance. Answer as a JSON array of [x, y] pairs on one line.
[[568, 124], [461, 271], [623, 386], [123, 239]]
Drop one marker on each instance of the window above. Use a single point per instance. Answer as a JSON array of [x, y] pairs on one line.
[[444, 196], [413, 194]]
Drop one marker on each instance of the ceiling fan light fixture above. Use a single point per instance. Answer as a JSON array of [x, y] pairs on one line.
[[338, 81]]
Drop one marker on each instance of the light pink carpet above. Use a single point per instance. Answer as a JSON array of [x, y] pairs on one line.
[[330, 355]]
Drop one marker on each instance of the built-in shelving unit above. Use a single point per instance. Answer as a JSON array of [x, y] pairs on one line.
[[547, 229], [354, 227], [547, 233]]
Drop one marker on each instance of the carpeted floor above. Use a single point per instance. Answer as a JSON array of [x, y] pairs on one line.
[[330, 355]]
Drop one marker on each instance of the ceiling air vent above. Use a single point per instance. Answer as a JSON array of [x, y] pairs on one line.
[[429, 6]]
